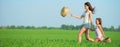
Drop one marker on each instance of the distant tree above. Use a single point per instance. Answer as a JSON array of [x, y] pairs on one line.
[[63, 26], [118, 28], [112, 28], [105, 29], [21, 27], [69, 27], [53, 28], [0, 27], [12, 27], [28, 27], [43, 27], [32, 27], [78, 27]]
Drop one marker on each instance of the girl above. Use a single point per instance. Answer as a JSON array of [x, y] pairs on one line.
[[87, 15], [99, 31]]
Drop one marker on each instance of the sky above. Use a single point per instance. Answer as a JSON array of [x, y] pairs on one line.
[[47, 12]]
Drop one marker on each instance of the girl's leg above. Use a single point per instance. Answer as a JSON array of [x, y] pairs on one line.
[[83, 29], [97, 40], [87, 36]]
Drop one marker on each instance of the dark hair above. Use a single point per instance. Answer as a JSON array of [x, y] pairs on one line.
[[90, 7], [100, 21]]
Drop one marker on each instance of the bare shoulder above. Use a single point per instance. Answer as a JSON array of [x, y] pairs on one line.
[[100, 26], [90, 13]]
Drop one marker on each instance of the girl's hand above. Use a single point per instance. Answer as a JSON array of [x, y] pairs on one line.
[[92, 27]]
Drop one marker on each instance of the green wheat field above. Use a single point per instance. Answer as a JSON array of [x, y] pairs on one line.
[[51, 38]]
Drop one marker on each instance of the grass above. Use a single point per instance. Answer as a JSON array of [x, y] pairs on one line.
[[51, 38]]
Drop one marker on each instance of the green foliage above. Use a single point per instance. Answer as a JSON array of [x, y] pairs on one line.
[[51, 38], [63, 26]]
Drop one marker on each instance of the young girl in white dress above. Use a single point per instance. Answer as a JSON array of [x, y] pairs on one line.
[[99, 31], [100, 36], [87, 16]]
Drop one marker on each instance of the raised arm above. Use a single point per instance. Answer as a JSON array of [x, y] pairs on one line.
[[79, 17]]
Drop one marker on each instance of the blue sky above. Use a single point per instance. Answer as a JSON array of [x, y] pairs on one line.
[[47, 12]]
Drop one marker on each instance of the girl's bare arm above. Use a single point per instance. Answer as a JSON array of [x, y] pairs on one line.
[[90, 15], [79, 17], [100, 27]]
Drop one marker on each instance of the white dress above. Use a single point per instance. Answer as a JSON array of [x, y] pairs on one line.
[[86, 18], [99, 34]]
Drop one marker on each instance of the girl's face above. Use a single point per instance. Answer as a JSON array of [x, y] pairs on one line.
[[97, 22], [86, 7]]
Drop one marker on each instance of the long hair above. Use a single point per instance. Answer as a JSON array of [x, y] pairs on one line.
[[90, 7], [100, 21]]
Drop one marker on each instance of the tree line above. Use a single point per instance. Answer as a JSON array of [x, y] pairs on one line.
[[63, 26], [77, 27]]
